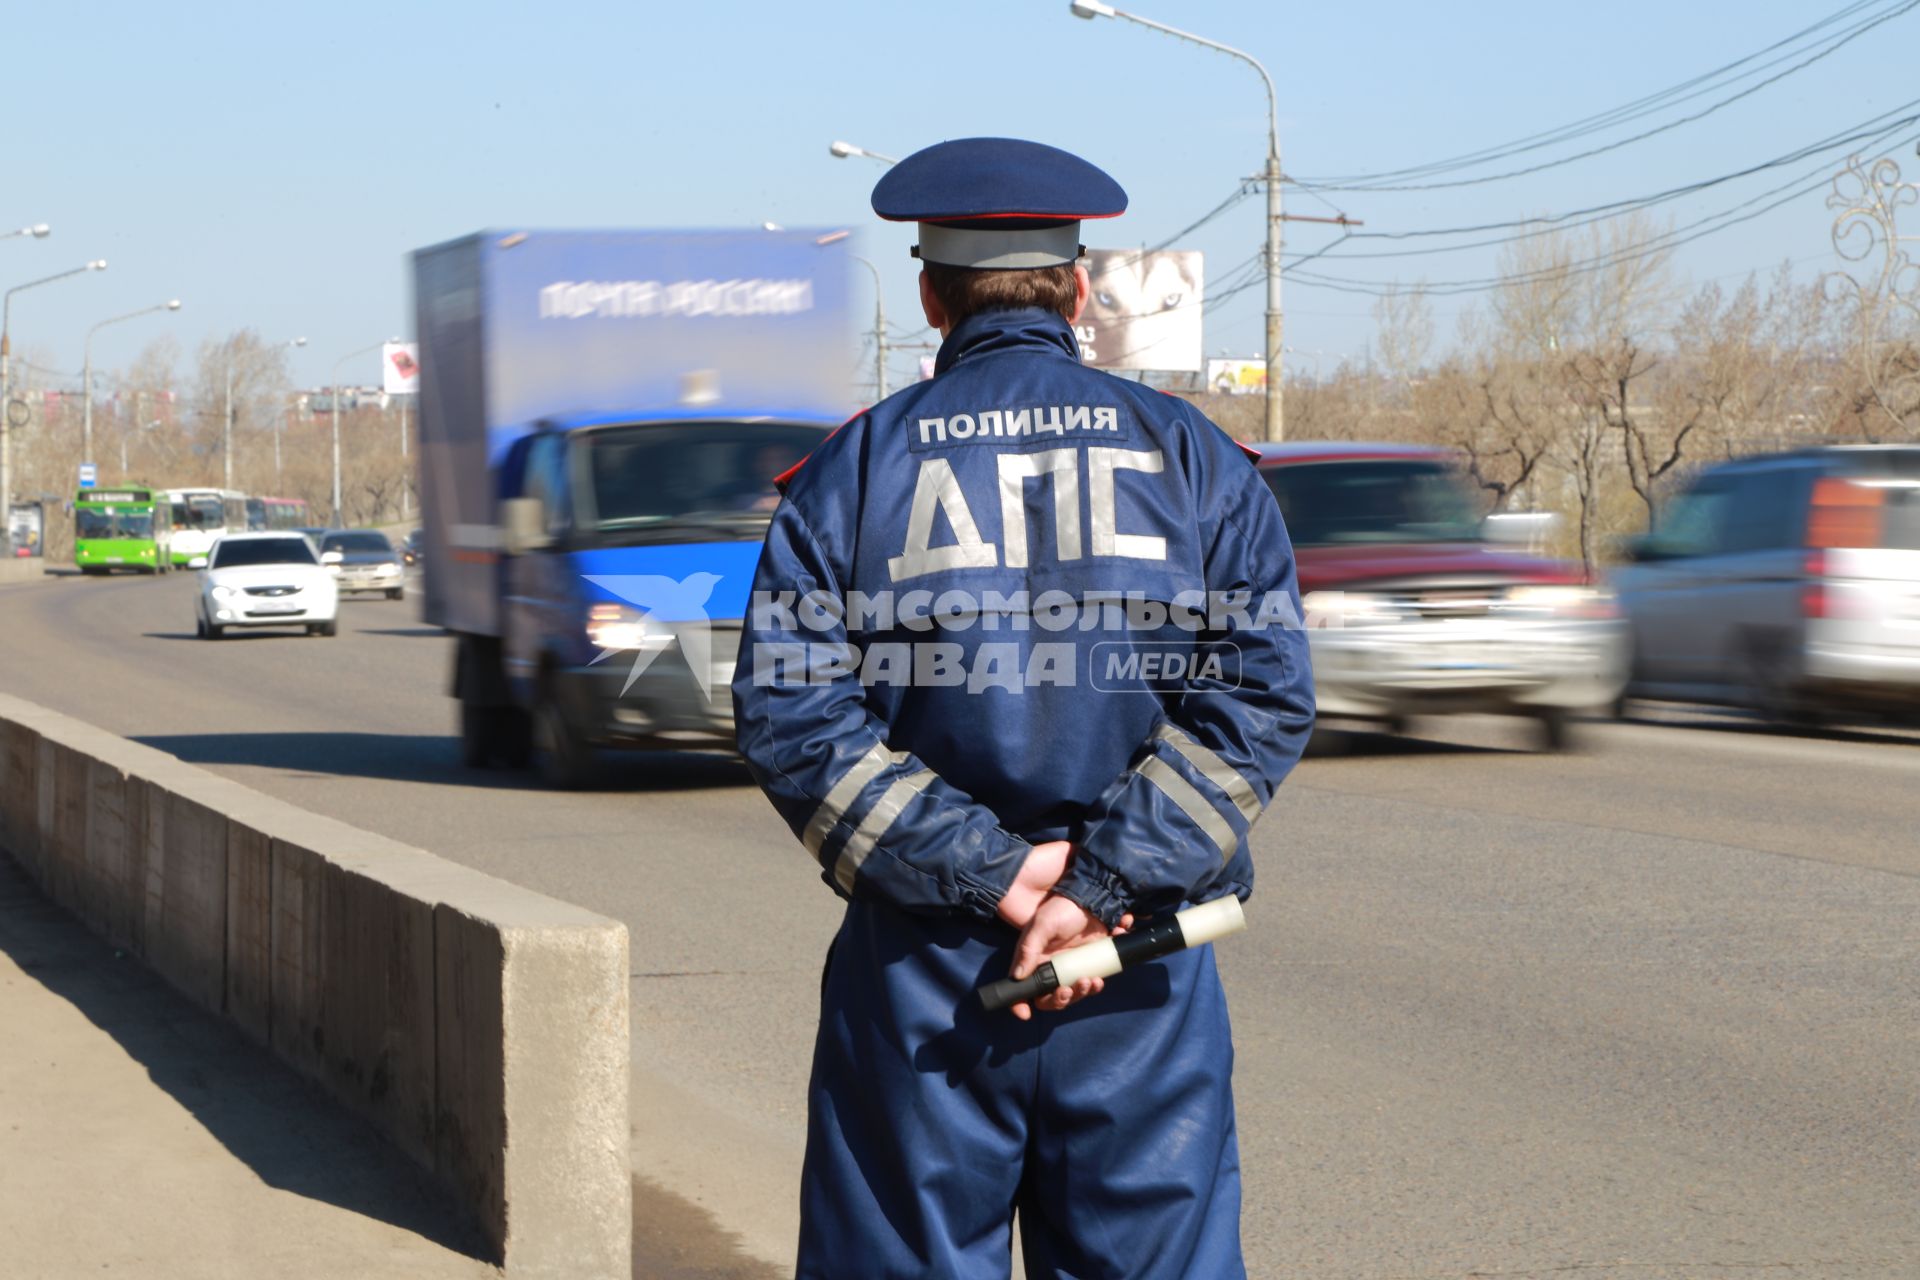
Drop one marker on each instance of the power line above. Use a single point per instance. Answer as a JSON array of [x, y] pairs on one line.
[[1659, 244], [1869, 131], [1847, 37], [1636, 109]]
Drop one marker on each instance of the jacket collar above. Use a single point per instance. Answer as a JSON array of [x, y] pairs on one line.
[[1028, 329]]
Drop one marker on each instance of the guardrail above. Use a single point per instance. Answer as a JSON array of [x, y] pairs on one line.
[[482, 1027]]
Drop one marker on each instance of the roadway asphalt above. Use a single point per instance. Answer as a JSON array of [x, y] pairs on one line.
[[1647, 1010]]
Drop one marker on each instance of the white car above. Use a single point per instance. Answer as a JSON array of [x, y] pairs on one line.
[[264, 580]]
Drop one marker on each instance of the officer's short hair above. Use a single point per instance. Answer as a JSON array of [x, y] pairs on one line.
[[965, 291]]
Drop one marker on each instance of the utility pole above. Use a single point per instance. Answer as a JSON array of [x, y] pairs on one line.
[[226, 423], [1276, 421], [86, 375], [406, 498], [338, 365], [1276, 405], [879, 331], [6, 393]]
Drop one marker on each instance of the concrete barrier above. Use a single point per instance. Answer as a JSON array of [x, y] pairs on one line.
[[481, 1026], [26, 568]]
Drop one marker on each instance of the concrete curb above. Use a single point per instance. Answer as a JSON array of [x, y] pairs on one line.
[[481, 1026]]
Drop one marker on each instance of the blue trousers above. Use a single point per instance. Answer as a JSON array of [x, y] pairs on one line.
[[1109, 1127]]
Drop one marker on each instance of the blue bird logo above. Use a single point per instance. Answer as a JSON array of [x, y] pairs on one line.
[[675, 611]]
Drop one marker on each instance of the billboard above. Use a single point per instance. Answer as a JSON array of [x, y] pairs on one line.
[[400, 368], [1237, 377], [1144, 311]]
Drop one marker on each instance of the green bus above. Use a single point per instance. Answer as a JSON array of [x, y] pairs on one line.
[[121, 528]]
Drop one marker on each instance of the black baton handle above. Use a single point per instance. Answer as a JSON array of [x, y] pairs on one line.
[[1006, 993]]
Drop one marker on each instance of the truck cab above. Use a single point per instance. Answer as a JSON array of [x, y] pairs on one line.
[[625, 579]]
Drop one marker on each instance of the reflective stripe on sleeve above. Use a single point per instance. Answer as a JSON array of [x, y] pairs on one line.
[[1215, 769], [844, 792], [875, 825], [1191, 802]]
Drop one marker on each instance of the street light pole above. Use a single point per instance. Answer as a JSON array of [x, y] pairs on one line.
[[279, 421], [841, 150], [879, 330], [1276, 424], [351, 355], [6, 395], [86, 375]]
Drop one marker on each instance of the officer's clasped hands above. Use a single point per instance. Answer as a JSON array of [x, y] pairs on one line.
[[1050, 924]]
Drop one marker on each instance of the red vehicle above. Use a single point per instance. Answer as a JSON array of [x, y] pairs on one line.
[[1413, 610]]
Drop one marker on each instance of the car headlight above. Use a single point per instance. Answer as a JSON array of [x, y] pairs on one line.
[[617, 627], [1326, 609], [224, 593], [1564, 600]]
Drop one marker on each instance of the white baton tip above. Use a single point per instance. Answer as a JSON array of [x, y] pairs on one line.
[[1210, 920], [1096, 959]]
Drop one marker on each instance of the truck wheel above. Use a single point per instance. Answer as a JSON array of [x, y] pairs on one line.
[[396, 592], [564, 760], [1555, 728], [513, 737], [477, 734]]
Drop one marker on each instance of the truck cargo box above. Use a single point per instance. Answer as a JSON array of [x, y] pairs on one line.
[[524, 327]]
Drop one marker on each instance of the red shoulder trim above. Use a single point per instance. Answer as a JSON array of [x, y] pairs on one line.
[[1253, 454], [781, 481], [983, 217]]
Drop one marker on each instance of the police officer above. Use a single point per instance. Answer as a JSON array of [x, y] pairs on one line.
[[1018, 671]]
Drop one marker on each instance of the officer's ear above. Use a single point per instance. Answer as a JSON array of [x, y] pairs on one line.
[[930, 303], [1082, 290]]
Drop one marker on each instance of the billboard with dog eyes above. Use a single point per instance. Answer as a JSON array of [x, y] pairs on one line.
[[1144, 310]]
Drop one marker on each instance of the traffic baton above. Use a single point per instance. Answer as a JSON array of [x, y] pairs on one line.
[[1107, 956]]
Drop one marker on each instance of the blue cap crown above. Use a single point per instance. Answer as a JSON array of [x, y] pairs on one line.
[[999, 203]]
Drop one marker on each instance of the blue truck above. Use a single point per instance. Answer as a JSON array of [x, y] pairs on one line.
[[602, 414]]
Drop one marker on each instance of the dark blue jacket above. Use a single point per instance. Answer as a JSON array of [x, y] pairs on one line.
[[1024, 601]]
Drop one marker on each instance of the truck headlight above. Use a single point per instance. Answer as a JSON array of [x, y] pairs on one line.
[[1327, 609], [1563, 600], [618, 627]]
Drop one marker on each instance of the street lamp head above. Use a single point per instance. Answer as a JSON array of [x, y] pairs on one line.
[[298, 342], [39, 231], [173, 304], [841, 149], [98, 264], [1089, 9]]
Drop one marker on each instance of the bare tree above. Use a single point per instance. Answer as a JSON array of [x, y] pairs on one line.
[[246, 377]]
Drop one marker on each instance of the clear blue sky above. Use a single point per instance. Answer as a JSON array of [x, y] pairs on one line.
[[271, 164]]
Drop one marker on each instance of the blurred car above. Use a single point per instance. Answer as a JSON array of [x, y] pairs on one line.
[[1412, 610], [413, 551], [363, 560], [313, 534], [264, 580], [1788, 583]]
